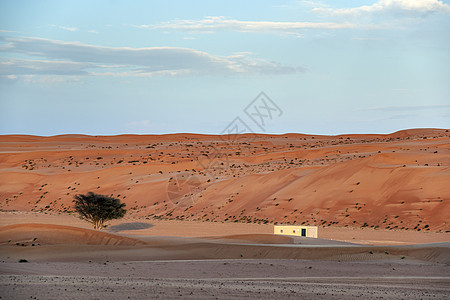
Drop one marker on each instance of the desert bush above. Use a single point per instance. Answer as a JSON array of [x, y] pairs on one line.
[[97, 209]]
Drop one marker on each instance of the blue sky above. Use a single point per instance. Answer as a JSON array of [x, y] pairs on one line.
[[113, 67]]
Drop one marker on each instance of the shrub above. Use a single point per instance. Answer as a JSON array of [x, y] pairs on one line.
[[97, 209]]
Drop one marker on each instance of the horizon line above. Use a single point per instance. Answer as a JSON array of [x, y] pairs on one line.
[[215, 134]]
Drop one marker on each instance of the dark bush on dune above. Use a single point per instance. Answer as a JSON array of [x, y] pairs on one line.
[[97, 209]]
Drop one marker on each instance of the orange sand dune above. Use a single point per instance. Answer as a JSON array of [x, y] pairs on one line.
[[46, 234], [392, 181]]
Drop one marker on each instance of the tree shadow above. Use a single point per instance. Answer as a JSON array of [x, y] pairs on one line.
[[129, 226]]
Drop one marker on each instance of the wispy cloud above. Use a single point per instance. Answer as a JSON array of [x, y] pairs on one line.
[[45, 56], [212, 24], [351, 18], [16, 67], [422, 7], [2, 30], [50, 79], [68, 28], [93, 31]]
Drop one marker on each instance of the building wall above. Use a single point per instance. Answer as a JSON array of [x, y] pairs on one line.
[[311, 231]]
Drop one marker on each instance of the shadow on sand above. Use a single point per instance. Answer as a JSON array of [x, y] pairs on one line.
[[129, 226]]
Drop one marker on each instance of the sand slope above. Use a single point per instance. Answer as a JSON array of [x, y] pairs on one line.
[[395, 181], [48, 234]]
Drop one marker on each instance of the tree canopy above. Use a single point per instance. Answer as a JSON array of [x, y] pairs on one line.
[[97, 209]]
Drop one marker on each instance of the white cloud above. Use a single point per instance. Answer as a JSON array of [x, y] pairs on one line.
[[210, 24], [49, 79], [93, 31], [51, 57], [68, 28], [41, 67], [390, 6], [140, 73], [395, 8]]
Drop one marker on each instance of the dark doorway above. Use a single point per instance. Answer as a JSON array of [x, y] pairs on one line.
[[303, 231]]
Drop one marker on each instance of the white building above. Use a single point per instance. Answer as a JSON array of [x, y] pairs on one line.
[[298, 230]]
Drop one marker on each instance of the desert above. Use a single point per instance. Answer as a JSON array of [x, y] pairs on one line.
[[201, 211], [288, 149]]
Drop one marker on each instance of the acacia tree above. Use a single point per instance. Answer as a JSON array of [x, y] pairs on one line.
[[97, 209]]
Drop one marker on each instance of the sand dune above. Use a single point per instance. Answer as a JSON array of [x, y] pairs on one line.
[[45, 242], [47, 234], [394, 181]]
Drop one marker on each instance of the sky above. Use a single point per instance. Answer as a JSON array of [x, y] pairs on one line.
[[155, 67]]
